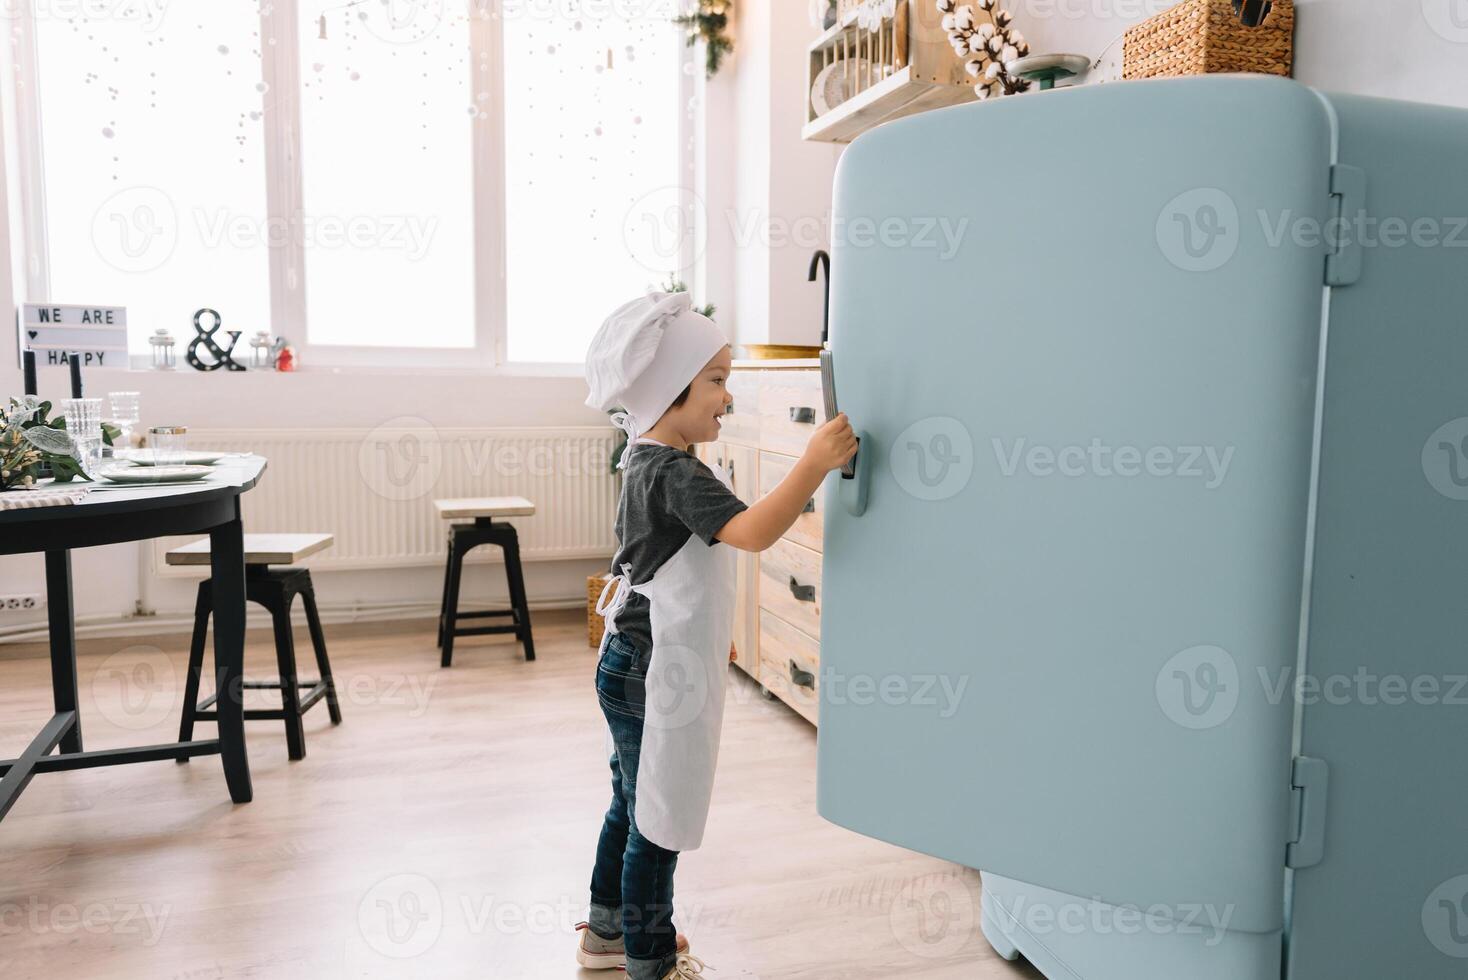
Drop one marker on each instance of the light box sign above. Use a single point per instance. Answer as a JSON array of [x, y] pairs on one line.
[[96, 334]]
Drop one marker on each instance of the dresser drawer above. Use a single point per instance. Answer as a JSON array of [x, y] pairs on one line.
[[741, 423], [790, 585], [741, 462], [716, 454], [738, 463], [790, 664], [790, 410], [809, 527]]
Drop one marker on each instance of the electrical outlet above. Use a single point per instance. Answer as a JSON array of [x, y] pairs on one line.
[[28, 602]]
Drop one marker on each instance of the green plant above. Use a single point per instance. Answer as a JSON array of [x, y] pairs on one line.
[[676, 285], [708, 23], [29, 442]]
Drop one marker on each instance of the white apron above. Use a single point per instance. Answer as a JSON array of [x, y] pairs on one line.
[[692, 611]]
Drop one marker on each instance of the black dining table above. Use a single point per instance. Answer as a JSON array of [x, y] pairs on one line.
[[108, 515]]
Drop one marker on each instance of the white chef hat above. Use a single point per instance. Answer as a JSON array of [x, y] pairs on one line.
[[643, 357]]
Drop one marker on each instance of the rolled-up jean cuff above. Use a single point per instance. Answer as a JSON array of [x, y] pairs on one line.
[[650, 969], [604, 920]]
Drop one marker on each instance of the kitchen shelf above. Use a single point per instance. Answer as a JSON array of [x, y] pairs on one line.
[[913, 69]]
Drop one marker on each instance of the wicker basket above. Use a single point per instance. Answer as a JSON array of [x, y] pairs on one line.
[[1199, 37], [595, 625]]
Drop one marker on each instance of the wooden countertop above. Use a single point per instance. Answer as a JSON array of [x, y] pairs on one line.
[[774, 364]]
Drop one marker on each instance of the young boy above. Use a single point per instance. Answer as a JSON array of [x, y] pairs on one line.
[[669, 611]]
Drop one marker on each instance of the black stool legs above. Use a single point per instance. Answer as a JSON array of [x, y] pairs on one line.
[[202, 607], [463, 538], [318, 644], [285, 661], [275, 589]]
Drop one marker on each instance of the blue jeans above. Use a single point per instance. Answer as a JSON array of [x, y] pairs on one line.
[[632, 883]]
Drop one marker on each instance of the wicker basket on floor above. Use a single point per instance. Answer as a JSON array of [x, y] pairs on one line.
[[595, 625], [1200, 37]]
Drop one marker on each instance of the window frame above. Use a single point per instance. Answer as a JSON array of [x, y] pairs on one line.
[[284, 196]]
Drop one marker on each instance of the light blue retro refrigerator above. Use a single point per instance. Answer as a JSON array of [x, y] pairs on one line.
[[1163, 477]]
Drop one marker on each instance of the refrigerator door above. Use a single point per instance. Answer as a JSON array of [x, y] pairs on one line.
[[1083, 356], [1386, 707]]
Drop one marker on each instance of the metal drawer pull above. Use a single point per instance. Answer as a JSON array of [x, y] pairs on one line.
[[805, 593], [803, 415], [810, 506], [801, 678]]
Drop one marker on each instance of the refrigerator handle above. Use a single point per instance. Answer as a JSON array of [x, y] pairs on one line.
[[853, 492], [828, 395]]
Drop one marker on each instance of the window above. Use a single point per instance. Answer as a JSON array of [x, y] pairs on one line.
[[387, 222], [386, 182], [592, 154], [154, 186]]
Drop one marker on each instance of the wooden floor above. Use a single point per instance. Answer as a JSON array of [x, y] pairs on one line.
[[445, 830]]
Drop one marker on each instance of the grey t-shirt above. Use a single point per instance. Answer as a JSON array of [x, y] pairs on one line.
[[667, 495]]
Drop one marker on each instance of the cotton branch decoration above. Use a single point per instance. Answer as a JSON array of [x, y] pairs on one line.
[[871, 15], [988, 42]]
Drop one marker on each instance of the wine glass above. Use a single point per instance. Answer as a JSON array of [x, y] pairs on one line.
[[125, 408]]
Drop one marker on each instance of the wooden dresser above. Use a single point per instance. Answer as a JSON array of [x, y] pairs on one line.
[[777, 624]]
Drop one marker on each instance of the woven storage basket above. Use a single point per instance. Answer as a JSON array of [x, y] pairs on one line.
[[1199, 37], [595, 625]]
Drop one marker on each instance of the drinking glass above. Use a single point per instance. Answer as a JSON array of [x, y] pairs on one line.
[[167, 444], [84, 424], [124, 407]]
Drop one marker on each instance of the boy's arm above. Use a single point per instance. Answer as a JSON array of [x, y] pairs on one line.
[[761, 525]]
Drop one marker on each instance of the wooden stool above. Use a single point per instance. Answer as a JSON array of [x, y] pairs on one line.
[[275, 589], [462, 539]]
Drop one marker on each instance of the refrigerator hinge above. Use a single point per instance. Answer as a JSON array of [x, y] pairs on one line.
[[1310, 781], [1348, 191]]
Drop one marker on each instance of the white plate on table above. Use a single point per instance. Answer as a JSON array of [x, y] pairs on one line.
[[153, 474], [198, 457]]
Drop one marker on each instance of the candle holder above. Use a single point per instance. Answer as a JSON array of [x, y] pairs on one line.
[[163, 346]]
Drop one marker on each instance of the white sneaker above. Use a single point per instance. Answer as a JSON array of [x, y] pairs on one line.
[[595, 953], [688, 967]]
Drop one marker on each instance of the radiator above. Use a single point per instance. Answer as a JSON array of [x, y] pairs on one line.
[[374, 489]]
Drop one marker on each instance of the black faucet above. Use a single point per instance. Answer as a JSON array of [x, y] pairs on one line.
[[821, 260]]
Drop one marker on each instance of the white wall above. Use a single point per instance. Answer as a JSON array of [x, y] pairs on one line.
[[770, 214]]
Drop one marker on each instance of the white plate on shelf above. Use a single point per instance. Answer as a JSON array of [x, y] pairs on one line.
[[192, 457], [152, 474], [836, 83]]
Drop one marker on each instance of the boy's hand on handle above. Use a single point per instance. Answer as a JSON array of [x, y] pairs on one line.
[[833, 444], [755, 529]]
